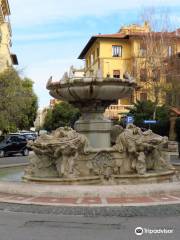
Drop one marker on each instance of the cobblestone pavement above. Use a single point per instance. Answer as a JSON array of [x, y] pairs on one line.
[[93, 211], [53, 226]]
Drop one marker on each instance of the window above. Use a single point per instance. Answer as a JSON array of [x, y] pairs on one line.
[[142, 49], [92, 59], [97, 52], [13, 138], [21, 139], [117, 51], [143, 75], [169, 51], [99, 64], [116, 73], [156, 75], [168, 78], [169, 99], [143, 96], [131, 99]]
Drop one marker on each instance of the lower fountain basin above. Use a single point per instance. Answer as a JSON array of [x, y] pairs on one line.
[[126, 179], [16, 174]]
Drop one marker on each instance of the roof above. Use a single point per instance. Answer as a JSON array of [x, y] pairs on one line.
[[120, 35], [175, 110], [94, 38]]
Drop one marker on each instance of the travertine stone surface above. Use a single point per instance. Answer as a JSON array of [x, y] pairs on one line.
[[143, 149], [86, 156], [57, 154], [97, 131], [92, 96], [67, 155]]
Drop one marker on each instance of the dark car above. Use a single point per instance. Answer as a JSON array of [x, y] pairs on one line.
[[13, 144], [30, 136], [1, 138]]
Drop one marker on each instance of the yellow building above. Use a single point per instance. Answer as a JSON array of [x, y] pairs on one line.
[[6, 57], [115, 55]]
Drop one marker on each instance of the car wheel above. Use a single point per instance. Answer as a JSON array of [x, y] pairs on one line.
[[2, 154], [25, 152]]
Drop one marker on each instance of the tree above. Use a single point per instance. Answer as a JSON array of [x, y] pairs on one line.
[[30, 105], [9, 85], [63, 114], [18, 101], [173, 81], [156, 48], [144, 111]]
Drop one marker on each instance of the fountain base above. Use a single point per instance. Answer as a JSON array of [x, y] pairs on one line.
[[126, 179], [66, 157]]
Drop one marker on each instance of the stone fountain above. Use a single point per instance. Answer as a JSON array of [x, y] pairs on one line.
[[85, 155]]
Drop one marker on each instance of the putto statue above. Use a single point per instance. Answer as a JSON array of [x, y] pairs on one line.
[[142, 149], [66, 154], [56, 155]]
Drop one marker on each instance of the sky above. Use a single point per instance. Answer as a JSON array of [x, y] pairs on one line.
[[49, 35]]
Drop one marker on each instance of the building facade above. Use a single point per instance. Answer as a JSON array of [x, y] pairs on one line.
[[6, 57], [114, 55], [40, 118]]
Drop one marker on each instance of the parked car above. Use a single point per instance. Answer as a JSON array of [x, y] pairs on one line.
[[30, 136], [1, 138], [12, 144]]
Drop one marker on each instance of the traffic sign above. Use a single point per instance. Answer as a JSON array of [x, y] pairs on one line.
[[150, 121], [129, 119]]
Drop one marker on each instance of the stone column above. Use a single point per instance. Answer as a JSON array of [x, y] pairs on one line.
[[96, 128], [172, 132]]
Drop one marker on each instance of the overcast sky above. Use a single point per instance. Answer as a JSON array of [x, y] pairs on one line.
[[49, 35]]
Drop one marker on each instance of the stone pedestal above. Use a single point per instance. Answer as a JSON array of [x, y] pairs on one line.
[[172, 132], [96, 129]]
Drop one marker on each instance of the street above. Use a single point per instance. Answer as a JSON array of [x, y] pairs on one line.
[[16, 159], [27, 226]]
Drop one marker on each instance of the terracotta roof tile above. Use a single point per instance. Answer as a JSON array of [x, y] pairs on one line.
[[175, 110], [122, 35]]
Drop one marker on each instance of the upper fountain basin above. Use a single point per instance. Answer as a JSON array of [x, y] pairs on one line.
[[82, 89]]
